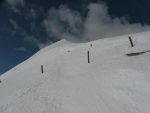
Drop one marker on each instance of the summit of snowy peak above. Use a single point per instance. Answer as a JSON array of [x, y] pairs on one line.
[[60, 43]]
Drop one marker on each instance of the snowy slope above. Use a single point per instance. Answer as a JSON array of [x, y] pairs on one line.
[[112, 83]]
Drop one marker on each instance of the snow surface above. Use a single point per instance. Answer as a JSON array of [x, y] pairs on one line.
[[111, 83]]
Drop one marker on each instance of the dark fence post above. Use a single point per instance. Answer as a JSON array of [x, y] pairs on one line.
[[131, 42], [88, 53], [42, 71]]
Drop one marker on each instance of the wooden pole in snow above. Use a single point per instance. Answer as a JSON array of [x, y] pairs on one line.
[[88, 54], [42, 71], [131, 42]]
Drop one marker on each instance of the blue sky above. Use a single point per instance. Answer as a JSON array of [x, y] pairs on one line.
[[29, 25]]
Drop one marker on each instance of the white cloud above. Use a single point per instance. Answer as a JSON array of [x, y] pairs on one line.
[[99, 24], [32, 39], [21, 49], [36, 42], [42, 45], [65, 23], [14, 24], [17, 28], [33, 12], [16, 2]]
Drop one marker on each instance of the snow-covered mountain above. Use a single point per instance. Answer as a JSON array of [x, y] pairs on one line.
[[117, 79]]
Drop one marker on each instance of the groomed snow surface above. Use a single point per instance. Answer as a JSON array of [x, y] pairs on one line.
[[111, 83]]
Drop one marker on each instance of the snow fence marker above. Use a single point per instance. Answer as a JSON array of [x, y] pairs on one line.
[[131, 42], [88, 55], [42, 70]]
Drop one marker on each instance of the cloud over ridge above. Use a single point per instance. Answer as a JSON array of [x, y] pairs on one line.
[[66, 23]]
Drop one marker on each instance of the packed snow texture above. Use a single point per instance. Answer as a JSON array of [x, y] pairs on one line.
[[111, 83]]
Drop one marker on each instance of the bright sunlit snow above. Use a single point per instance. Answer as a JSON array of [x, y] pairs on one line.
[[111, 83]]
